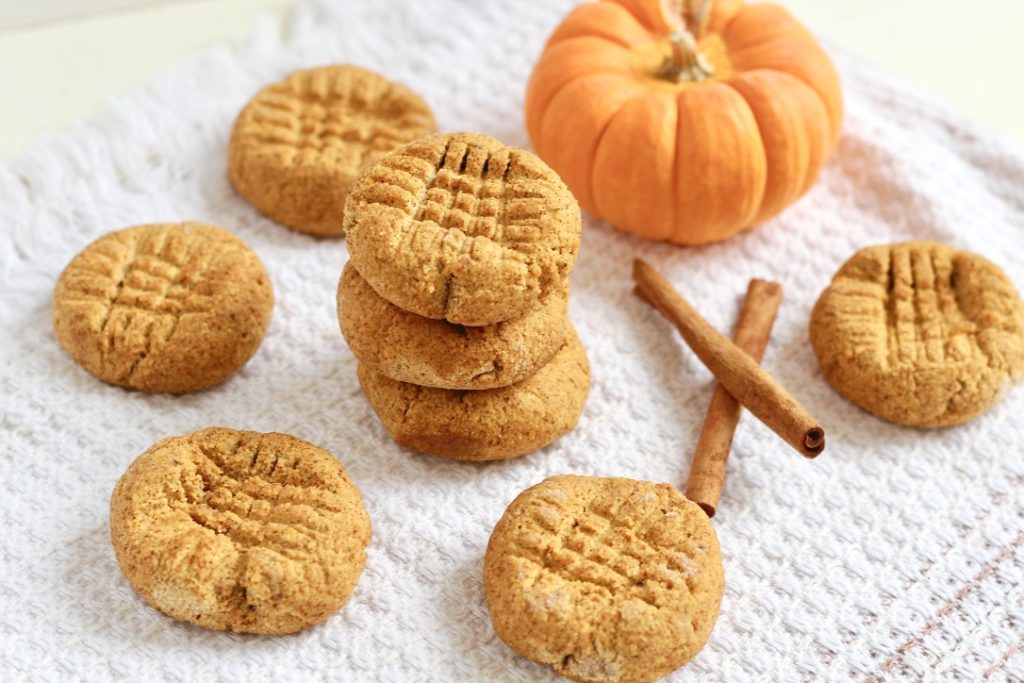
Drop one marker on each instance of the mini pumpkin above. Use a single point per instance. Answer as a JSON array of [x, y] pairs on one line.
[[684, 121]]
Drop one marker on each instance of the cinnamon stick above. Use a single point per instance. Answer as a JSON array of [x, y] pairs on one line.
[[735, 370], [753, 328]]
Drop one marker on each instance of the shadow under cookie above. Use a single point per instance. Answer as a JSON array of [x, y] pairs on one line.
[[493, 424]]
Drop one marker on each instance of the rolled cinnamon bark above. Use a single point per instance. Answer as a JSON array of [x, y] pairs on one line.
[[753, 328], [735, 370]]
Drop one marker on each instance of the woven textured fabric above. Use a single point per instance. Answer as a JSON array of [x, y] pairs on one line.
[[898, 554]]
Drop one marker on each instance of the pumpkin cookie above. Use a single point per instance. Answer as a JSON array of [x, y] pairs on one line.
[[462, 228], [485, 425], [919, 333], [604, 579], [240, 531], [410, 348], [297, 145], [163, 308]]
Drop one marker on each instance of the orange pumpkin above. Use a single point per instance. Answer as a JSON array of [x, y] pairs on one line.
[[684, 121]]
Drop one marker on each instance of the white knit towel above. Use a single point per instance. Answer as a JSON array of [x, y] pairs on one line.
[[897, 554]]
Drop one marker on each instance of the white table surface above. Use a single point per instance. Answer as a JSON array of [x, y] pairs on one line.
[[58, 71]]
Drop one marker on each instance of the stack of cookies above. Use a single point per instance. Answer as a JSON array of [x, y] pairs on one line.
[[455, 297]]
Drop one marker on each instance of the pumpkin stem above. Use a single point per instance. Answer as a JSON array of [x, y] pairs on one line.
[[696, 14], [686, 64]]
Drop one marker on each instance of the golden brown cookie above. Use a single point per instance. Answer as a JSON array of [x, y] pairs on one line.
[[436, 353], [240, 531], [604, 579], [462, 228], [919, 333], [297, 145], [163, 307], [494, 424]]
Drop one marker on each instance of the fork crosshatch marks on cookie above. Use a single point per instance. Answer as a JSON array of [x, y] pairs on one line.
[[240, 531], [920, 333], [463, 228], [604, 578], [299, 144], [346, 113], [163, 307]]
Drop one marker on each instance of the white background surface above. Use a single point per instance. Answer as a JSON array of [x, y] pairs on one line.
[[19, 13], [54, 73]]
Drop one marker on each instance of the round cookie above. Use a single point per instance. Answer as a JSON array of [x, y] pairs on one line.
[[163, 307], [485, 425], [604, 579], [435, 353], [297, 145], [240, 531], [462, 228], [919, 333]]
